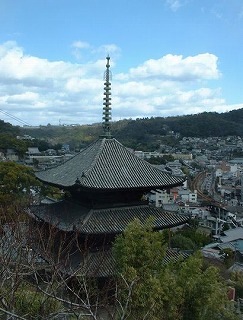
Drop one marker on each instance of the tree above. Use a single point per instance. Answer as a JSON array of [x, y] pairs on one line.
[[17, 183], [237, 278], [151, 289], [36, 284], [9, 141], [182, 242], [139, 254], [145, 286], [195, 238], [204, 293], [229, 257], [19, 188], [157, 160]]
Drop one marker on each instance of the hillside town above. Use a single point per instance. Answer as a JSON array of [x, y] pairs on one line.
[[212, 192]]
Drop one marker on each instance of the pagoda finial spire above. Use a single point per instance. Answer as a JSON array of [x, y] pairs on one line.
[[107, 100]]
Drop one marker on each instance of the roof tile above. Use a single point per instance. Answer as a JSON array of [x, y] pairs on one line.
[[107, 164]]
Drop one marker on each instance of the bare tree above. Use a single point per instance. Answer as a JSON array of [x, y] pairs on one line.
[[54, 271]]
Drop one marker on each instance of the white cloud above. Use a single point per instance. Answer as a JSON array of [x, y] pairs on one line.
[[176, 68], [25, 97], [84, 86], [40, 91], [133, 88], [15, 66]]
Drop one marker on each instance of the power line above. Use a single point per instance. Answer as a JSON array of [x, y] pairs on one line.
[[15, 118]]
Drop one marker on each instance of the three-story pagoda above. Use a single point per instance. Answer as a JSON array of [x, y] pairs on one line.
[[107, 184]]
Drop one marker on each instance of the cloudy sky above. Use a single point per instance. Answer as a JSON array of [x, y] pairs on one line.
[[168, 57]]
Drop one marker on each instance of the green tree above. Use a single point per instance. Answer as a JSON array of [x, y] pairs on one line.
[[156, 160], [8, 141], [18, 189], [204, 293], [228, 257], [17, 183], [139, 254], [237, 278], [151, 289], [182, 242], [29, 304]]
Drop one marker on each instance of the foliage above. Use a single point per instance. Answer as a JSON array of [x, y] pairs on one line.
[[225, 227], [228, 256], [7, 128], [195, 165], [7, 141], [34, 305], [189, 238], [75, 136], [17, 183], [147, 133], [161, 160], [151, 289], [186, 171], [18, 189], [156, 160], [27, 303], [182, 242], [237, 278], [139, 248], [204, 293], [139, 255]]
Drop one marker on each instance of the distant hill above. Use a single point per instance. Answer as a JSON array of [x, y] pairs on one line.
[[198, 125], [7, 128], [145, 131]]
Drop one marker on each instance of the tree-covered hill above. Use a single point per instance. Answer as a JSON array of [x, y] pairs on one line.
[[204, 124], [142, 131], [7, 128]]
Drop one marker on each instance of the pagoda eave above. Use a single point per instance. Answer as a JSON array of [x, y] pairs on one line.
[[110, 220], [143, 189]]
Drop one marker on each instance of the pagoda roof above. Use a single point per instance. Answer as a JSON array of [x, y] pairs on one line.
[[70, 216], [108, 165]]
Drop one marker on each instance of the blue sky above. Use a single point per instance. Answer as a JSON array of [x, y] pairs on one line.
[[168, 57]]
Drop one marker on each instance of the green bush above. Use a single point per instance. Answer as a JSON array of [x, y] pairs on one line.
[[35, 305]]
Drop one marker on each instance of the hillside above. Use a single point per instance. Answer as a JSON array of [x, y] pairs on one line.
[[145, 133]]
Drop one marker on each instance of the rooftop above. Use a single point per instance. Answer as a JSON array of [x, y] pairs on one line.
[[70, 216], [232, 234], [107, 164]]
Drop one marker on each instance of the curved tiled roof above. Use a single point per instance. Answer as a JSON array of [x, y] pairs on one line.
[[107, 164], [69, 216]]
